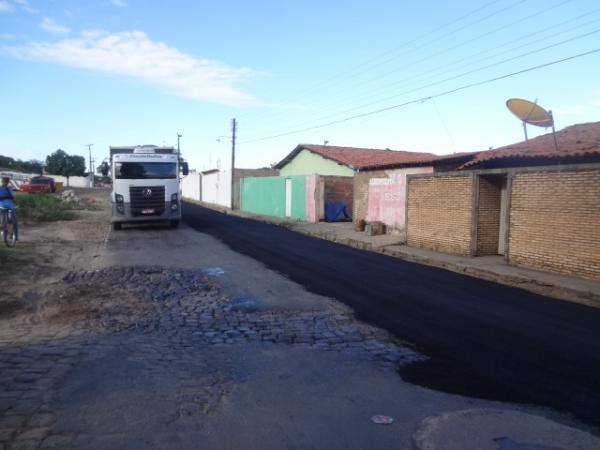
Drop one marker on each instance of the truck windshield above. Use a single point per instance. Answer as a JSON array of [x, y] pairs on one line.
[[145, 170]]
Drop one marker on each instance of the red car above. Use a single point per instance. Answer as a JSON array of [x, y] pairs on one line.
[[39, 184]]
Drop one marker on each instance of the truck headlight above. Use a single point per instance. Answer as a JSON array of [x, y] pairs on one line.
[[174, 197], [173, 206], [119, 198]]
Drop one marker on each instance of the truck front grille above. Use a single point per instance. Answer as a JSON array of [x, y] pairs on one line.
[[147, 200]]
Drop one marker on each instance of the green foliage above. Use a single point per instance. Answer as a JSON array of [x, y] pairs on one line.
[[42, 207], [31, 166], [61, 163]]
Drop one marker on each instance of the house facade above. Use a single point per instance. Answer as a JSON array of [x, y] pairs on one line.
[[537, 205], [341, 176]]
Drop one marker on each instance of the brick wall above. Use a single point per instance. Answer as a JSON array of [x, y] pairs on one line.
[[361, 192], [339, 189], [555, 221], [440, 213], [488, 216]]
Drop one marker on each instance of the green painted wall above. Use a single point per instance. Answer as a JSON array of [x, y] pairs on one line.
[[308, 163], [266, 196]]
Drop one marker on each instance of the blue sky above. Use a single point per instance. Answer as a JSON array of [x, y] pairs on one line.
[[125, 72]]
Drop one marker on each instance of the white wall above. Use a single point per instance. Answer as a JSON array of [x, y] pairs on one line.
[[191, 186], [81, 182], [17, 178], [216, 188]]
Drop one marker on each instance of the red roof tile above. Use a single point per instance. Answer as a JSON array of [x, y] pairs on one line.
[[367, 158], [574, 141]]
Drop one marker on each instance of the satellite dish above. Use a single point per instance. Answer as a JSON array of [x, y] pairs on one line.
[[533, 114], [530, 112]]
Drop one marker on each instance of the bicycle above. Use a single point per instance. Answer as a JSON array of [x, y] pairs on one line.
[[7, 227]]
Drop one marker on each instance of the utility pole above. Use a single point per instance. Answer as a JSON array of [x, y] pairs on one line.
[[179, 135], [233, 129], [89, 146]]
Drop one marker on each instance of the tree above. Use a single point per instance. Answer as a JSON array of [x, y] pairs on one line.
[[31, 166], [60, 163], [56, 163], [6, 162]]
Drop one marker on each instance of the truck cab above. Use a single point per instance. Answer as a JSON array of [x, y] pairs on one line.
[[146, 184]]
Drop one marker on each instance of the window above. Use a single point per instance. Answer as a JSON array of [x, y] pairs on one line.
[[145, 170]]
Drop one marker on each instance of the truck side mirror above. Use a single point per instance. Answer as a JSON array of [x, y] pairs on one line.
[[185, 169]]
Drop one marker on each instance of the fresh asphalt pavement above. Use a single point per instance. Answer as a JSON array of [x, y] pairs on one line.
[[484, 339]]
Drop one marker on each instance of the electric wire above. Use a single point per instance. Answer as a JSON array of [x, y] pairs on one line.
[[386, 87], [348, 73], [429, 97], [463, 74]]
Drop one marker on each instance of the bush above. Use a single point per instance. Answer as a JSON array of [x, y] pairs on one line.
[[42, 207]]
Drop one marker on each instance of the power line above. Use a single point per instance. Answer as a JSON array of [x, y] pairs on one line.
[[346, 73], [463, 43], [424, 99], [362, 83], [454, 77], [432, 72]]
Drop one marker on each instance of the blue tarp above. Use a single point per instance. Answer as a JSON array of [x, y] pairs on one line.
[[336, 212]]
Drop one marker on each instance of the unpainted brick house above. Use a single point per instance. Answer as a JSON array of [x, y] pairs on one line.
[[537, 205]]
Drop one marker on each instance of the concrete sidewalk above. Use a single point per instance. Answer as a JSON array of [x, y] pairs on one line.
[[492, 268]]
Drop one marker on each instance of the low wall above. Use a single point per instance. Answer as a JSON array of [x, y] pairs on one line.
[[555, 221], [191, 186], [267, 196], [440, 212], [238, 174], [216, 188], [80, 182]]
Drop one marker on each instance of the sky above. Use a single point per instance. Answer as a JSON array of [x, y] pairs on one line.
[[417, 76]]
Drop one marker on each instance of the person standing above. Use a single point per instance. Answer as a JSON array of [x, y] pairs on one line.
[[7, 200]]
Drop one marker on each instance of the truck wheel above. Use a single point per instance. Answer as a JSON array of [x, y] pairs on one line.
[[174, 223], [116, 226]]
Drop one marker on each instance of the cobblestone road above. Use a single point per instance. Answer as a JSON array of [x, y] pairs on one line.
[[153, 327]]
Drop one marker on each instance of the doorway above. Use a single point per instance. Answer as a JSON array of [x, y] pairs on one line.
[[491, 214]]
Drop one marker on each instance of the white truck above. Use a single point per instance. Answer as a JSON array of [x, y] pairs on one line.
[[146, 184]]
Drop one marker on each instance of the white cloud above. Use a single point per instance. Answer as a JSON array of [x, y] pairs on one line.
[[51, 26], [120, 3], [24, 4], [133, 54], [6, 6]]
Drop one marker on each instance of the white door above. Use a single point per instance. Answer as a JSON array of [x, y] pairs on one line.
[[288, 197]]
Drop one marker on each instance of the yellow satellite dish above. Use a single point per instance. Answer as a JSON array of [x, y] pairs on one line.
[[530, 112], [533, 114]]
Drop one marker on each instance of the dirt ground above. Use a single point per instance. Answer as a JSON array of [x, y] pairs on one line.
[[34, 298], [152, 338]]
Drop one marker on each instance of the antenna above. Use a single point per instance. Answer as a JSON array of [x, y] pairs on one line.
[[533, 114]]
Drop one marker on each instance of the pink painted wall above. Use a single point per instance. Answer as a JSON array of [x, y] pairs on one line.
[[312, 184], [387, 196]]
